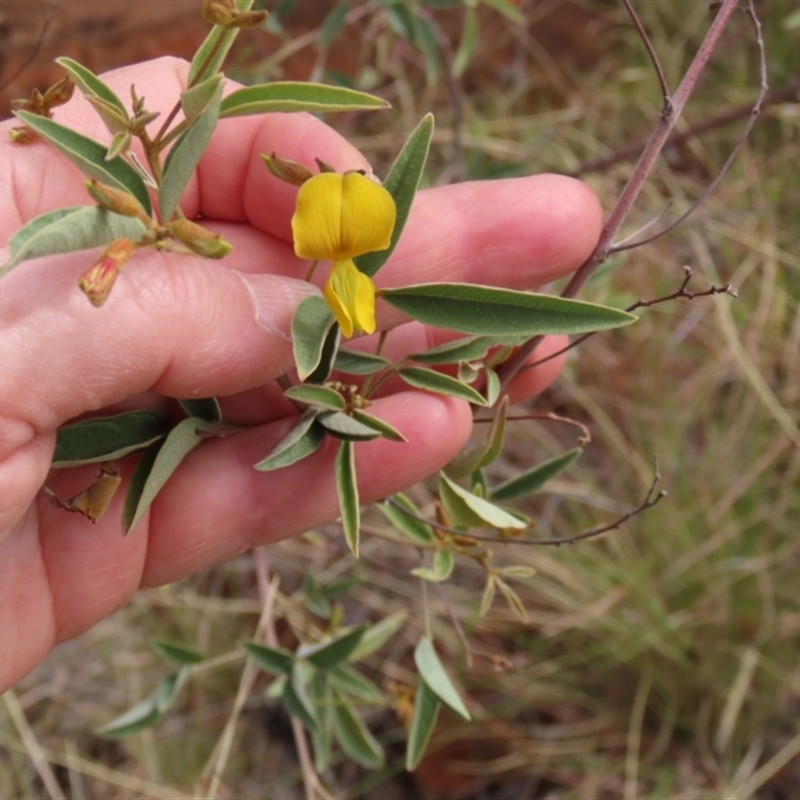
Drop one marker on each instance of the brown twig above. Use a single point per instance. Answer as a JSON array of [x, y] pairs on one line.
[[648, 45], [585, 437], [681, 291], [653, 497], [661, 131]]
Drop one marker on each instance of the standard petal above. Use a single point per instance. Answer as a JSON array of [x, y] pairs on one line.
[[316, 224], [368, 215]]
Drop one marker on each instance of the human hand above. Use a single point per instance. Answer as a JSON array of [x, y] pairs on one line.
[[178, 326]]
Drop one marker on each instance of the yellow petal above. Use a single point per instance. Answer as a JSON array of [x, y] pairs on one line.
[[368, 215], [339, 217], [351, 296], [317, 220]]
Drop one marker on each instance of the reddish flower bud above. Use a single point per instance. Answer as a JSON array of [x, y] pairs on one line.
[[286, 170], [22, 134], [217, 13], [249, 19], [198, 239], [59, 93], [97, 282]]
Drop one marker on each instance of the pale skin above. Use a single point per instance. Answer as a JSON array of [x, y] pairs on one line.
[[180, 326]]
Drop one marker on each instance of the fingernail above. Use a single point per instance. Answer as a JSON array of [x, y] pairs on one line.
[[275, 299]]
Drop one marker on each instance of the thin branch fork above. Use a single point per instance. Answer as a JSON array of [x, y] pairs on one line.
[[647, 160]]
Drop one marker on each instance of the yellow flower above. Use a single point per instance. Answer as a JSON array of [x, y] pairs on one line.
[[337, 218]]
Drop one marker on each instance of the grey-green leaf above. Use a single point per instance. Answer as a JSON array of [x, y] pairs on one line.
[[274, 660], [354, 736], [344, 427], [473, 511], [348, 681], [402, 182], [378, 634], [320, 396], [470, 348], [67, 230], [182, 439], [426, 711], [331, 653], [355, 363], [310, 326], [90, 84], [300, 442], [467, 461], [89, 157], [428, 379], [185, 155], [176, 652], [533, 479], [415, 529], [433, 673], [347, 489], [143, 715], [205, 407], [488, 311], [443, 563], [91, 441], [384, 428], [296, 701], [296, 96], [195, 100]]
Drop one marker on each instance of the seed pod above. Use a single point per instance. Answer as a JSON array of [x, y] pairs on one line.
[[117, 200]]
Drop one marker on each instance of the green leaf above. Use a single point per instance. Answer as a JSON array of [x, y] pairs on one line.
[[185, 155], [426, 712], [143, 715], [320, 696], [333, 23], [470, 348], [507, 9], [378, 634], [327, 356], [319, 396], [300, 442], [467, 461], [107, 438], [67, 230], [484, 310], [89, 157], [431, 381], [402, 182], [492, 386], [296, 96], [296, 701], [354, 736], [196, 100], [443, 563], [433, 673], [182, 439], [473, 511], [311, 324], [512, 598], [176, 652], [488, 595], [331, 653], [348, 681], [425, 39], [353, 363], [384, 428], [346, 428], [212, 52], [533, 479], [469, 38], [415, 529], [207, 408], [347, 489], [274, 660], [90, 84]]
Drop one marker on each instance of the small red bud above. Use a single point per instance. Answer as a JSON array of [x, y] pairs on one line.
[[286, 170], [59, 93], [97, 282], [22, 134], [217, 13], [249, 19]]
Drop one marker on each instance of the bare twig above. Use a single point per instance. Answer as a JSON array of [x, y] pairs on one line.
[[652, 498], [640, 174], [662, 79], [585, 437], [682, 291]]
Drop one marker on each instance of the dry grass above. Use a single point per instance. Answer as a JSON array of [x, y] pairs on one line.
[[658, 661]]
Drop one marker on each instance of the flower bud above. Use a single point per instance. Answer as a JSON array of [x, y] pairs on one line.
[[97, 282], [249, 19], [286, 170], [22, 134], [59, 93], [217, 13], [198, 239], [117, 200]]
